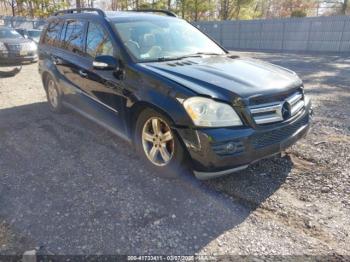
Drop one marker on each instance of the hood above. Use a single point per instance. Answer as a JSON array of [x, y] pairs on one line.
[[35, 39], [228, 78], [12, 41]]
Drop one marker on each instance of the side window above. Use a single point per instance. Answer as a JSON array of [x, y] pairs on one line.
[[98, 41], [73, 39], [52, 33]]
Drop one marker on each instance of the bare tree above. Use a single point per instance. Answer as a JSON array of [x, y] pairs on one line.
[[345, 7], [169, 4], [13, 5]]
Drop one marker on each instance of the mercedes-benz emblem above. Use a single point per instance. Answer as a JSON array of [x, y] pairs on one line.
[[285, 111]]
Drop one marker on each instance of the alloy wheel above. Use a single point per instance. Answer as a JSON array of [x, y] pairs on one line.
[[158, 141], [52, 93]]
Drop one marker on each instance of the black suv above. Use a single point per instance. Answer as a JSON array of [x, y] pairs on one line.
[[157, 81]]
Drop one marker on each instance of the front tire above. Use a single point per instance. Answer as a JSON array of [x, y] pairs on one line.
[[158, 144], [53, 95]]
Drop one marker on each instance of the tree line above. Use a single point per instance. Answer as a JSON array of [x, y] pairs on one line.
[[192, 10]]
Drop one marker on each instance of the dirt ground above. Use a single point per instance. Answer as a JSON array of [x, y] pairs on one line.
[[72, 187]]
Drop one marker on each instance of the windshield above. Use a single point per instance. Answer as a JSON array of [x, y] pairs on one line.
[[34, 33], [9, 33], [164, 39]]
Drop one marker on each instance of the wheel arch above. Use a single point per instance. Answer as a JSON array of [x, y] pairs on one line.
[[45, 74], [140, 106], [44, 77], [136, 110]]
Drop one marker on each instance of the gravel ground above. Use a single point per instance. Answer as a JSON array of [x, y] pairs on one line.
[[72, 187]]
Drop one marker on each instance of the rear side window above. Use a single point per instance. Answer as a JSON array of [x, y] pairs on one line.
[[98, 41], [73, 39], [53, 33]]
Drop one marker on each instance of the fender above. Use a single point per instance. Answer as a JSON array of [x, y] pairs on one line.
[[47, 67], [158, 92]]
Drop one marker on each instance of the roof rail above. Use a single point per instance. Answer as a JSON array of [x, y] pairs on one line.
[[80, 10], [167, 12]]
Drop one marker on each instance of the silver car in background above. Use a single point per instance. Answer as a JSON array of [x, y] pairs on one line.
[[32, 34], [14, 48]]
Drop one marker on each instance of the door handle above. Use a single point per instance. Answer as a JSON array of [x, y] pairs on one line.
[[83, 73]]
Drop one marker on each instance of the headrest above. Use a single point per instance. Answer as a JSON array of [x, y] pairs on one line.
[[148, 40]]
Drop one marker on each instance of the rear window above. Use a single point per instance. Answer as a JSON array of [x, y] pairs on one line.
[[73, 39], [9, 33], [53, 33]]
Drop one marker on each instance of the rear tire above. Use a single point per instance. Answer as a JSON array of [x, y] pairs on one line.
[[158, 144], [54, 96]]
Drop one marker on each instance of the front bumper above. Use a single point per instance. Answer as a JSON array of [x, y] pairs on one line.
[[13, 58], [221, 151]]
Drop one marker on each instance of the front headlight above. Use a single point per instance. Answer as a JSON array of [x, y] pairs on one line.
[[3, 47], [206, 112], [33, 46]]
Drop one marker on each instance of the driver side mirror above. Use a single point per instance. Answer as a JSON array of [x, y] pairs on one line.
[[105, 62]]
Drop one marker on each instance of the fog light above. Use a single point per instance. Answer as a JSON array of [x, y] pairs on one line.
[[228, 148]]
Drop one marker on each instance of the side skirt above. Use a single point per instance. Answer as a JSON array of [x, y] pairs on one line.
[[97, 121]]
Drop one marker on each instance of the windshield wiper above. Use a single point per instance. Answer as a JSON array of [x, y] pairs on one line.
[[168, 58], [206, 53], [199, 54]]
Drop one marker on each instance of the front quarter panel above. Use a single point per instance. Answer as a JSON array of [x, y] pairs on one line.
[[143, 86]]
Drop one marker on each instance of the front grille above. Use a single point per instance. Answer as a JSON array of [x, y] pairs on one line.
[[17, 54], [16, 47], [278, 111], [273, 98], [19, 47], [260, 140]]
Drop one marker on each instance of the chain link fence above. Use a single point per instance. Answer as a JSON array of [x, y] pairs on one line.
[[315, 34]]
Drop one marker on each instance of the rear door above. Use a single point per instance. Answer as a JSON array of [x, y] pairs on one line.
[[70, 59], [48, 47]]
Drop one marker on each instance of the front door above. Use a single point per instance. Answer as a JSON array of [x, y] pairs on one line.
[[101, 85]]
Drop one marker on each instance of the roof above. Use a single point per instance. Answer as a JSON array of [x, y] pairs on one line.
[[117, 15], [92, 13]]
